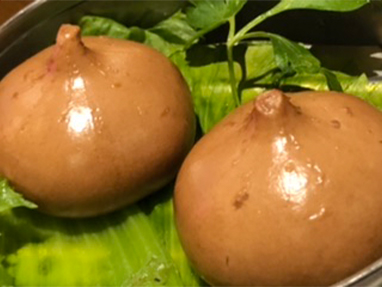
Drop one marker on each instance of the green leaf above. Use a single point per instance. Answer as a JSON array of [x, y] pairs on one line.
[[259, 60], [324, 5], [175, 29], [161, 214], [331, 79], [262, 75], [362, 88], [285, 5], [97, 26], [207, 15], [211, 92], [293, 57], [158, 43], [358, 86], [120, 249], [5, 278], [10, 199], [204, 14]]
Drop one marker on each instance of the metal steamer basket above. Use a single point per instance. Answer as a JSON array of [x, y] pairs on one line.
[[349, 42]]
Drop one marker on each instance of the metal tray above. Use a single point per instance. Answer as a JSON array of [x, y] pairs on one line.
[[356, 35]]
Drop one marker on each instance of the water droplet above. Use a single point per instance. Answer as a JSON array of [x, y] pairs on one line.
[[230, 123], [235, 162], [335, 124], [26, 75], [165, 112], [348, 111], [22, 129], [248, 174]]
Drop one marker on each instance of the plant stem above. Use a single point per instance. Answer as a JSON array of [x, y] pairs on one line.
[[231, 67], [243, 32]]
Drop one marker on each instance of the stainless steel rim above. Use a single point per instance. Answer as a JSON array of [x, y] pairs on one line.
[[28, 9]]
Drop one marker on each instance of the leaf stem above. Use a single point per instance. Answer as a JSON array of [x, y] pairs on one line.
[[231, 67], [255, 35]]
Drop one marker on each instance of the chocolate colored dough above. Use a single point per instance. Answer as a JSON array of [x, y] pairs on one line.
[[285, 191], [89, 126]]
